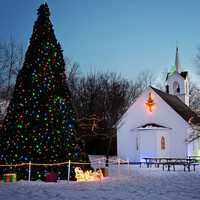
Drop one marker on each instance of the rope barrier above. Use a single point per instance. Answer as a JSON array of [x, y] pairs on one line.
[[96, 161], [50, 164], [14, 165], [78, 163]]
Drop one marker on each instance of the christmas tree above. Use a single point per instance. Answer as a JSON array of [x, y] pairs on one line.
[[40, 125]]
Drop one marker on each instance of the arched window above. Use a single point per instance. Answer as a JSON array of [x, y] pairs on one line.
[[137, 144], [176, 87], [167, 89], [162, 143]]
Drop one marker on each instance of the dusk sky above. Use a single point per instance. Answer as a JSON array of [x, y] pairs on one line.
[[123, 36]]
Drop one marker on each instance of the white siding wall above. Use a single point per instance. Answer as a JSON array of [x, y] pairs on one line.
[[183, 83], [138, 115], [148, 147], [126, 144], [194, 148], [179, 79], [149, 142]]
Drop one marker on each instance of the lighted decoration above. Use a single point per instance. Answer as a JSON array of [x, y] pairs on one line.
[[88, 175], [40, 125], [150, 104], [9, 177]]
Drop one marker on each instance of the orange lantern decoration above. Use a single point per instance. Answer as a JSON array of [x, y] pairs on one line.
[[150, 103]]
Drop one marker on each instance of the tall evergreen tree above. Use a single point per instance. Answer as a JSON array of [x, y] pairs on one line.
[[41, 125]]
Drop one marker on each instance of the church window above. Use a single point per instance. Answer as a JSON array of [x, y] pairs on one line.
[[167, 89], [163, 143], [176, 87], [137, 144]]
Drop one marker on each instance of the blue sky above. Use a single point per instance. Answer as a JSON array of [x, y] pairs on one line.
[[124, 36]]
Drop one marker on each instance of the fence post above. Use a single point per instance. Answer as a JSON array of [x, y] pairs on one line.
[[29, 171], [128, 163], [118, 165], [99, 164], [68, 174]]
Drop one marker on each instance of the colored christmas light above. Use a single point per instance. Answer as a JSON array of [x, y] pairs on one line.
[[40, 124]]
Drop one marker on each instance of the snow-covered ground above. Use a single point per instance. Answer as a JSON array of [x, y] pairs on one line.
[[139, 184]]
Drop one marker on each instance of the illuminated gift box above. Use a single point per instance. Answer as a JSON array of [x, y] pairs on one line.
[[9, 177]]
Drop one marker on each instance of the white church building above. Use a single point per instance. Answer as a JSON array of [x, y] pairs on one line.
[[160, 124]]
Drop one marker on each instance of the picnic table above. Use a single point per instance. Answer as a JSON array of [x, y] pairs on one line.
[[171, 162], [195, 157]]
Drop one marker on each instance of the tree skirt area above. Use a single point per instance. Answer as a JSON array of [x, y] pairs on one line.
[[141, 183]]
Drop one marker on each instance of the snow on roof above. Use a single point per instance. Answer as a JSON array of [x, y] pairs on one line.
[[151, 126]]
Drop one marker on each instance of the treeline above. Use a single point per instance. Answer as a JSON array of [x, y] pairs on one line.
[[105, 94], [100, 98], [103, 97]]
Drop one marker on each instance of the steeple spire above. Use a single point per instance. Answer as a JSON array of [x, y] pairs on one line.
[[177, 61]]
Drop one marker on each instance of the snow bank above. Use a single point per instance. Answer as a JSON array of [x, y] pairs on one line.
[[141, 184]]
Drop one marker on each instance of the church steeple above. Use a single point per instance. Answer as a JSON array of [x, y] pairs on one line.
[[177, 61], [177, 82]]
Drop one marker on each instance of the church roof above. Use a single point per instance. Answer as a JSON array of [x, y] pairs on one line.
[[182, 109]]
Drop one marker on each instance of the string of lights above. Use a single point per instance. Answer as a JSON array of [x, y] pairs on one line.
[[41, 123], [66, 162]]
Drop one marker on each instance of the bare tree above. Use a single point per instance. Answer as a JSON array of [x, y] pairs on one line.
[[11, 60], [105, 95], [195, 98], [197, 60], [108, 95]]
